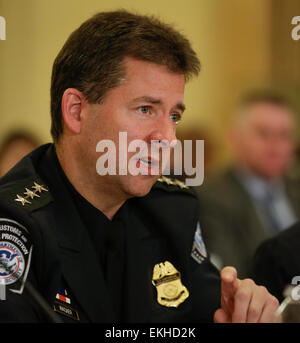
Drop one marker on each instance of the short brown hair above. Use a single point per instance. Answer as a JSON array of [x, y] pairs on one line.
[[265, 96], [91, 59]]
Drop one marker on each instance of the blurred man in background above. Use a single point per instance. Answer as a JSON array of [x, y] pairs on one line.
[[253, 199], [277, 263]]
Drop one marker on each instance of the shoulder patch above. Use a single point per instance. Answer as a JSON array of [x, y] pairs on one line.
[[173, 185], [199, 252], [15, 254], [29, 194]]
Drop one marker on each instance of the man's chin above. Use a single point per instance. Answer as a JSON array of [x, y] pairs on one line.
[[271, 174], [140, 186]]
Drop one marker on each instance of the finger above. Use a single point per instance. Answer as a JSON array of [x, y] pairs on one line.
[[228, 274], [242, 299], [229, 280], [221, 316], [229, 285], [269, 310], [257, 304]]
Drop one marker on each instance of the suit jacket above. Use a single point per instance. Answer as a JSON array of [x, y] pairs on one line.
[[231, 227], [277, 261], [63, 266]]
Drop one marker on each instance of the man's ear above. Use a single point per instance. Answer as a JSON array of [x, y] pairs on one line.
[[71, 106]]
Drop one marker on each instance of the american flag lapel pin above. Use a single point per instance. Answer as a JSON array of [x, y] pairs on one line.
[[62, 295]]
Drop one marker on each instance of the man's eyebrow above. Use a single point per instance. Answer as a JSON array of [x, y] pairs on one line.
[[180, 106], [149, 99]]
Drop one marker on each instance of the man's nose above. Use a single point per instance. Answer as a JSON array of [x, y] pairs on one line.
[[163, 135]]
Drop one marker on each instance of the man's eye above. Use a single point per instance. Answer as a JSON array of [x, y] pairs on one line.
[[175, 118], [144, 109]]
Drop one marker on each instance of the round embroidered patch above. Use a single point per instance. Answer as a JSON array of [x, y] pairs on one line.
[[15, 254], [12, 263]]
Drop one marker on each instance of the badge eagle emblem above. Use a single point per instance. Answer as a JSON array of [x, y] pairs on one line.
[[167, 280]]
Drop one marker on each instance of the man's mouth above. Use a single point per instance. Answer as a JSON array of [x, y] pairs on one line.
[[149, 165], [148, 161]]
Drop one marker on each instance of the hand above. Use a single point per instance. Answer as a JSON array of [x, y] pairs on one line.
[[242, 301]]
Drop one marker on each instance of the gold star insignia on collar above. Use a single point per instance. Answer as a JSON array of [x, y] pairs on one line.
[[176, 182], [22, 200], [31, 194], [39, 188], [166, 180], [180, 184]]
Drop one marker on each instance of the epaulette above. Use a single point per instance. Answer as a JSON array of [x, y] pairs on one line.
[[173, 185], [28, 194]]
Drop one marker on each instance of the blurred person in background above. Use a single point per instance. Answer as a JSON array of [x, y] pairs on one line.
[[277, 263], [14, 147], [253, 199]]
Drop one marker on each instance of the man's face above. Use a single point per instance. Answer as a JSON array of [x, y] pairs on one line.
[[266, 139], [146, 105]]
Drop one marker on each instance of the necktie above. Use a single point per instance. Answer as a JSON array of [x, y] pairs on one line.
[[269, 210]]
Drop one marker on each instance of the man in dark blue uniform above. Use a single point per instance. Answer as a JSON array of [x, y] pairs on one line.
[[119, 246]]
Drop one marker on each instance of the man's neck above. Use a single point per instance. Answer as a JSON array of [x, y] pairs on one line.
[[247, 171], [102, 197]]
